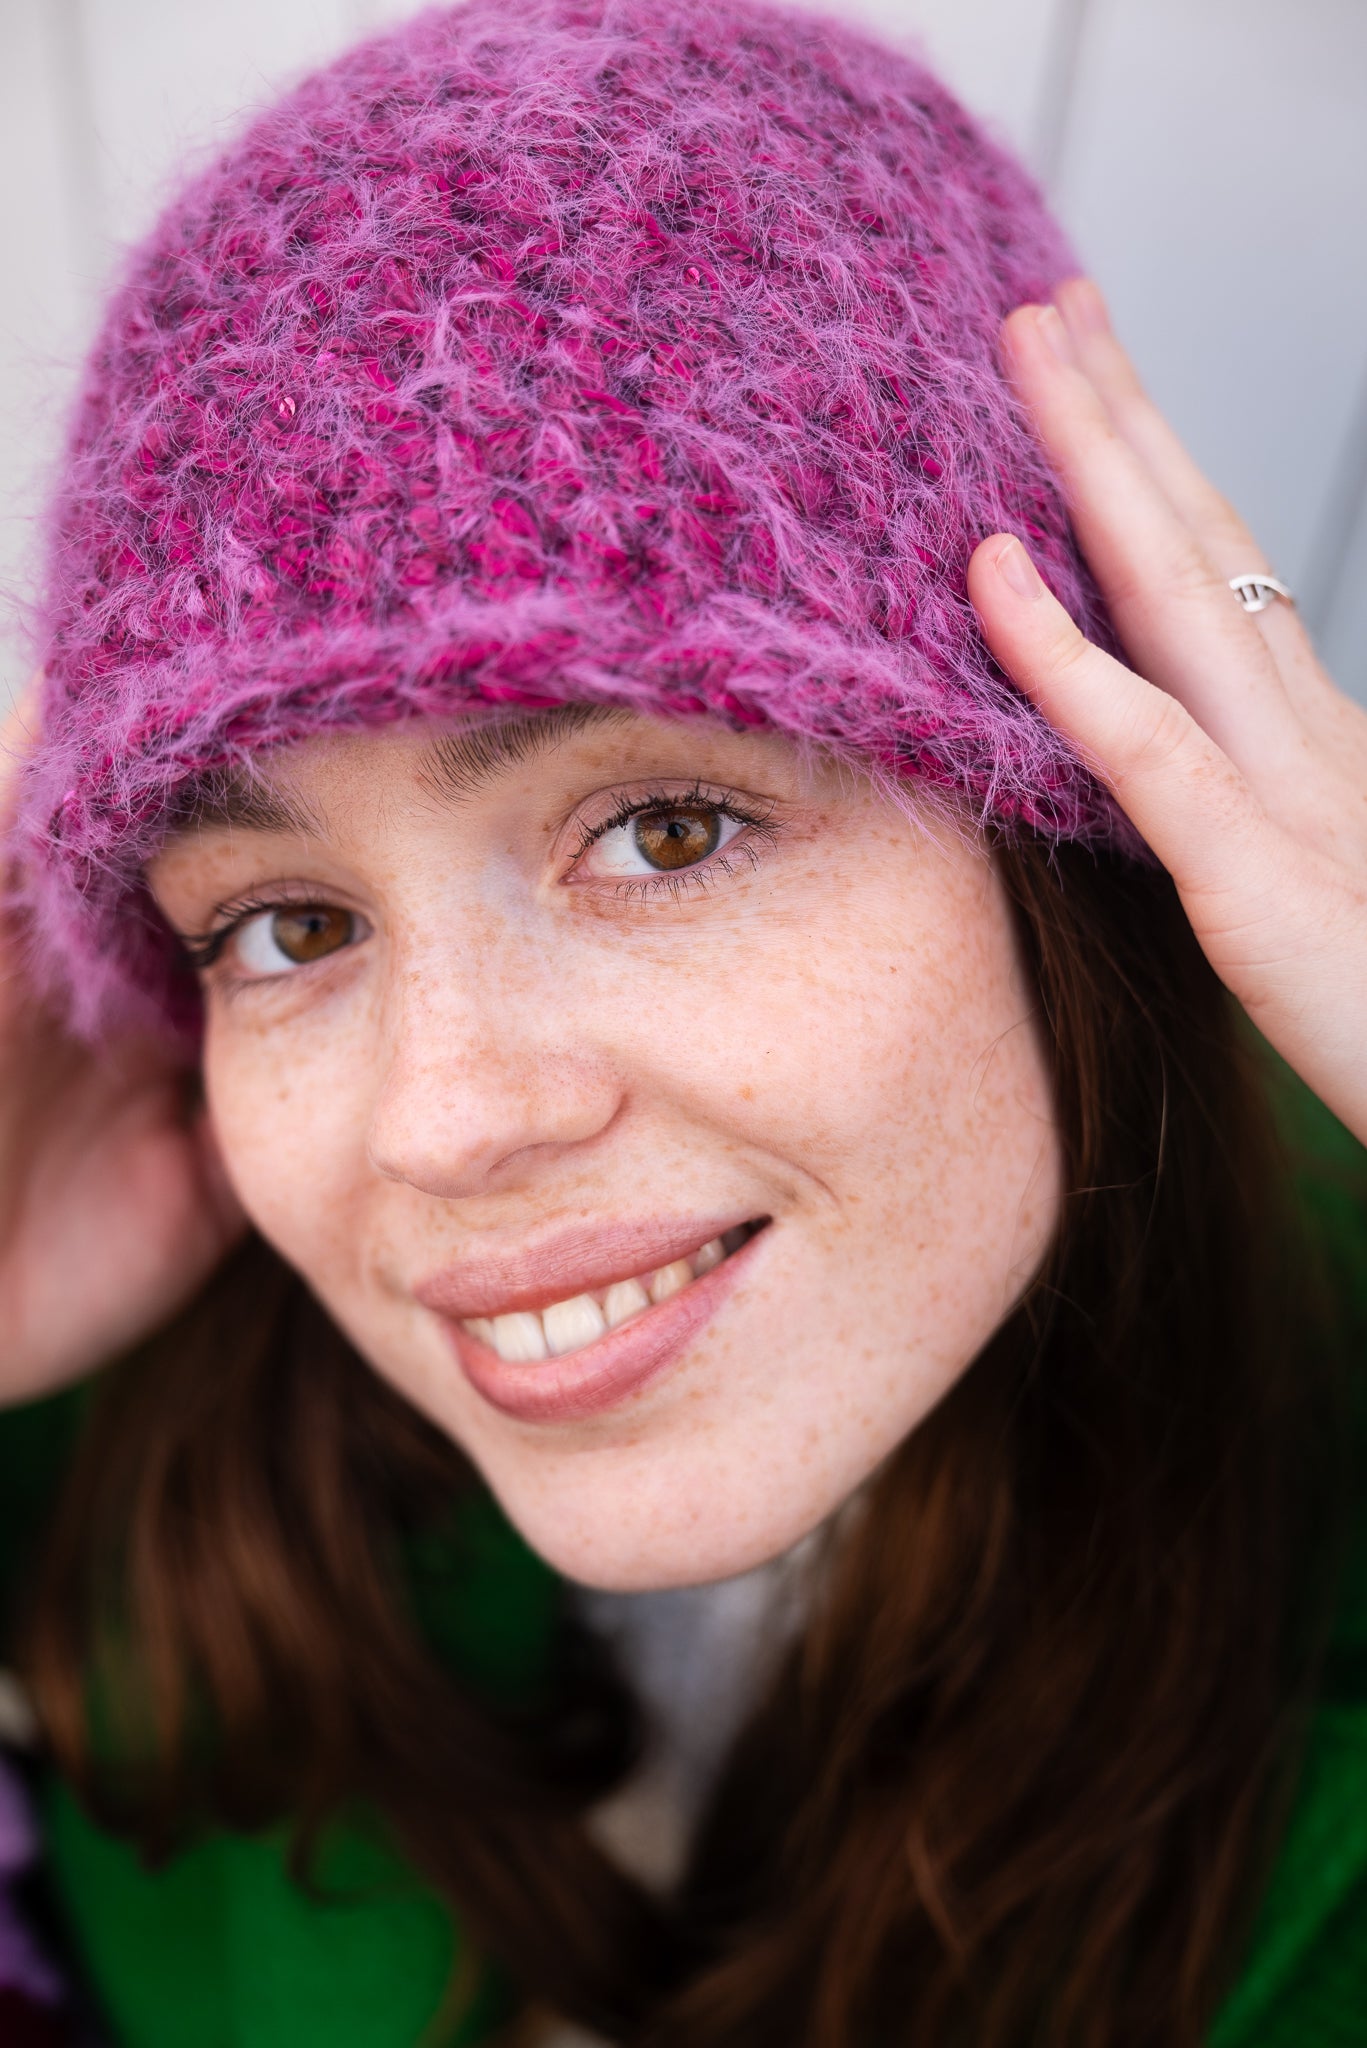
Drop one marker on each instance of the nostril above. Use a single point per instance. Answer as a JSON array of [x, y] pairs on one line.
[[451, 1128]]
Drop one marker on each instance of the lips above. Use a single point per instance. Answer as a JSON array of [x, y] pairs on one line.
[[574, 1326]]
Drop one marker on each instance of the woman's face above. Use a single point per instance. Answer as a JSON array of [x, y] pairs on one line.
[[664, 1117]]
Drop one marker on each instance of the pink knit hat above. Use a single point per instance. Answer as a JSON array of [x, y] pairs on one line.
[[629, 350]]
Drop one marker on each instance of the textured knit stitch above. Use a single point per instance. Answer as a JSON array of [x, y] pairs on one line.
[[23, 1968], [628, 350]]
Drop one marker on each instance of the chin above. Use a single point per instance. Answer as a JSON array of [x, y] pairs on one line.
[[655, 1537]]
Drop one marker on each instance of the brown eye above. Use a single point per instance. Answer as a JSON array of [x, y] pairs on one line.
[[277, 940], [311, 932], [678, 837]]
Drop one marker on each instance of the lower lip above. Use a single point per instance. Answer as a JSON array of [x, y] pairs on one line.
[[608, 1372]]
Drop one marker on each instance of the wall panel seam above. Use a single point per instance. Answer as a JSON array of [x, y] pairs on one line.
[[1343, 509], [1058, 87], [66, 27]]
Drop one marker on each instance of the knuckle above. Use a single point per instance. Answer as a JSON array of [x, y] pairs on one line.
[[1186, 580], [1156, 732], [1227, 528], [1133, 411], [1072, 659], [1072, 650], [1191, 579]]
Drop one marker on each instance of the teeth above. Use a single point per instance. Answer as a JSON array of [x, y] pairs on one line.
[[569, 1325], [670, 1280], [624, 1299], [519, 1338], [525, 1339]]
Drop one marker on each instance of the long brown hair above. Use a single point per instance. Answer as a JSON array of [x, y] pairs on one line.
[[1024, 1769]]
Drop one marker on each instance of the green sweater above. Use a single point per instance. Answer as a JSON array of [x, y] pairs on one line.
[[219, 1949]]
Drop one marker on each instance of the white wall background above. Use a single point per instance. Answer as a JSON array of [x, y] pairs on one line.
[[1209, 156]]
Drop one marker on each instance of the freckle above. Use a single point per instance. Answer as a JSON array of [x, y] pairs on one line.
[[747, 1093]]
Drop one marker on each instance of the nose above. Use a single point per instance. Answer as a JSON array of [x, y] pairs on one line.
[[474, 1086]]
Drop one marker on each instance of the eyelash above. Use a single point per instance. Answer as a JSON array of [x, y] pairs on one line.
[[759, 823], [205, 949]]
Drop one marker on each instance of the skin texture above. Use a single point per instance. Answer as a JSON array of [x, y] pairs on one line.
[[822, 1023], [1225, 742], [108, 1169]]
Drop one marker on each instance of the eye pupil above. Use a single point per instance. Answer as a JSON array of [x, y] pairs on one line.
[[311, 932], [679, 837]]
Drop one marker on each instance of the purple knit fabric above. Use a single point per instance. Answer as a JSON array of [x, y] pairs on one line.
[[22, 1965], [629, 350]]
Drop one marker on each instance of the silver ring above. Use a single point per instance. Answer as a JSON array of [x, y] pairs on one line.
[[1258, 590]]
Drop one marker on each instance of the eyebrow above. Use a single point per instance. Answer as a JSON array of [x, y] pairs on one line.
[[241, 798], [456, 766], [459, 764]]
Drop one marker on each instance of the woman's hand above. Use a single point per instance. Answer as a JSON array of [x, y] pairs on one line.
[[1227, 744], [113, 1206]]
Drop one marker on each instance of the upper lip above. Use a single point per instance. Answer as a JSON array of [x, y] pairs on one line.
[[573, 1260]]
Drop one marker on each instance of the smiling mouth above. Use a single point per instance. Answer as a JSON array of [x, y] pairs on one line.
[[527, 1336]]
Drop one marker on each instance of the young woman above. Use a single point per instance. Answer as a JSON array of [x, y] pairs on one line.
[[571, 1040]]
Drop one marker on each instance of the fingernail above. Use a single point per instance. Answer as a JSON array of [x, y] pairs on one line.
[[1050, 323], [1017, 571]]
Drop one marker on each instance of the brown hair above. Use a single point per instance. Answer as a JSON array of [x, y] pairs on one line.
[[1023, 1771]]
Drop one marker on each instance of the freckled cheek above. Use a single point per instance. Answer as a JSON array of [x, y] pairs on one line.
[[290, 1122], [894, 1071], [821, 1056]]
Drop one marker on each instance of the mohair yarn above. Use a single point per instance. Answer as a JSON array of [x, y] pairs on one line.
[[629, 350]]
